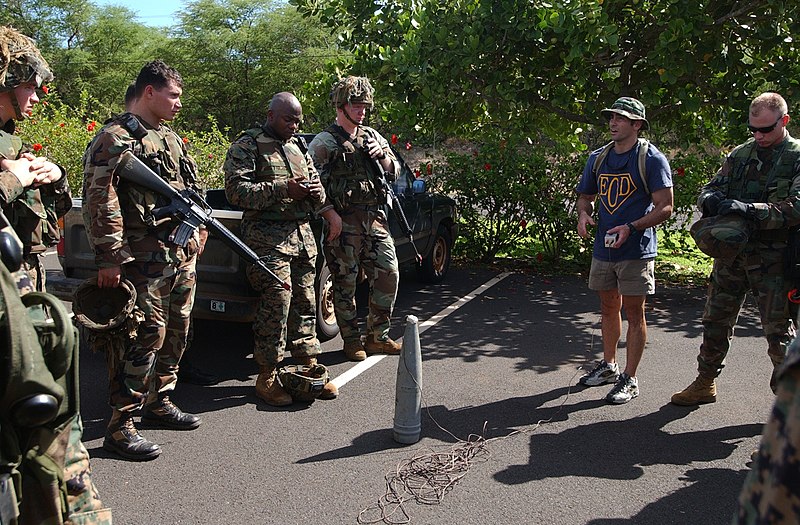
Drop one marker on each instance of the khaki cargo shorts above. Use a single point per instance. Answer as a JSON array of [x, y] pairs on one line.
[[635, 277]]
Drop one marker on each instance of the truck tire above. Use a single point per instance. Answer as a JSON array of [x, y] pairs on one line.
[[435, 265], [327, 328]]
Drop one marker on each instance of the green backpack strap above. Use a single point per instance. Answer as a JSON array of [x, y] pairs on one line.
[[644, 146]]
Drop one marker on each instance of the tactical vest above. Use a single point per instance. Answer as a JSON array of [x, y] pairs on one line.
[[32, 214], [350, 181], [750, 181], [278, 162], [38, 403], [165, 154]]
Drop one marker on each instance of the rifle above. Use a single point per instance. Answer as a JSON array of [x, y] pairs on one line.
[[189, 208], [394, 203]]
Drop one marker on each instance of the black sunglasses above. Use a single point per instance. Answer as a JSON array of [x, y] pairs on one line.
[[763, 130]]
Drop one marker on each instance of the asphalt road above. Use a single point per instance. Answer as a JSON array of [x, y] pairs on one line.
[[501, 366]]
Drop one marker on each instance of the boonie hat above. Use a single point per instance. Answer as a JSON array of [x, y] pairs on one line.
[[628, 107], [722, 236]]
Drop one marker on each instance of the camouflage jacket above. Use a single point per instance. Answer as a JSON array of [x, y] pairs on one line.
[[32, 212], [768, 178], [257, 169], [344, 167], [119, 214]]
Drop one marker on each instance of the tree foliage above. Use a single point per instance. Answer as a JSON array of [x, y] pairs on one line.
[[542, 65]]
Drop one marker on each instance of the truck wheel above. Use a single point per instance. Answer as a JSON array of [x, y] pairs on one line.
[[435, 265], [327, 328]]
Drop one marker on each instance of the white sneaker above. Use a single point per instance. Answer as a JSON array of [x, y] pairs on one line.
[[627, 388], [601, 374]]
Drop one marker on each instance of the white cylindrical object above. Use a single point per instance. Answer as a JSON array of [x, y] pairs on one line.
[[408, 393]]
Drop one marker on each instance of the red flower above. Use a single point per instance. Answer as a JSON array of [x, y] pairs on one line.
[[408, 146], [62, 124], [394, 140], [680, 172], [185, 140], [91, 125], [45, 90], [523, 224], [417, 174], [210, 155], [37, 147], [429, 168], [487, 166]]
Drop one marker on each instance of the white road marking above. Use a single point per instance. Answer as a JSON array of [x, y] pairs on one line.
[[373, 360]]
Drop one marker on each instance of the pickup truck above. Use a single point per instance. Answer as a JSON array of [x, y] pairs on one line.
[[223, 291]]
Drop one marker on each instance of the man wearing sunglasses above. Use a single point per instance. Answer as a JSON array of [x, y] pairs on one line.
[[759, 182]]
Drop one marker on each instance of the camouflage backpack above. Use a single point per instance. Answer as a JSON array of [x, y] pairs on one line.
[[38, 402]]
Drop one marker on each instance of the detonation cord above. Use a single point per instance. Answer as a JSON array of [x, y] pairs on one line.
[[428, 476]]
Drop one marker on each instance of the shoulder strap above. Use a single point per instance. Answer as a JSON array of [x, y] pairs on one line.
[[644, 146]]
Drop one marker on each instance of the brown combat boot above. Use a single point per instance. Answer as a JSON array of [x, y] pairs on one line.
[[702, 390], [382, 347], [354, 350], [329, 391], [270, 390]]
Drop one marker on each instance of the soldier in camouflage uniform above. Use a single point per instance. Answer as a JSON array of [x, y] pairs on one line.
[[347, 155], [34, 193], [759, 181], [770, 494], [128, 241], [270, 175]]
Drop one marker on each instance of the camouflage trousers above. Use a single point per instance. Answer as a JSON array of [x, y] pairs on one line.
[[770, 494], [83, 500], [760, 270], [165, 294], [33, 267], [364, 244], [285, 319]]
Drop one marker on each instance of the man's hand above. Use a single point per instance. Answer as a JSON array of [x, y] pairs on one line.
[[314, 188], [334, 224], [45, 171], [711, 203], [31, 170], [298, 189], [109, 277], [203, 238], [584, 221], [732, 206]]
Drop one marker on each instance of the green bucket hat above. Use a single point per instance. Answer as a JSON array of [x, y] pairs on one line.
[[628, 107]]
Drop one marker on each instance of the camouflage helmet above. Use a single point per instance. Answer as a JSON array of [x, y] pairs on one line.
[[303, 382], [103, 309], [352, 89], [722, 236], [20, 61]]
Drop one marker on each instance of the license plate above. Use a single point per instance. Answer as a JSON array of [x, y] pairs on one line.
[[218, 306]]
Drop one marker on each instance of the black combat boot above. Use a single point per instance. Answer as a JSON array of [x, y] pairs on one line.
[[122, 438], [164, 414]]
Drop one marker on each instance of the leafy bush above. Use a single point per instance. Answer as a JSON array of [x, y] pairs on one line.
[[62, 133]]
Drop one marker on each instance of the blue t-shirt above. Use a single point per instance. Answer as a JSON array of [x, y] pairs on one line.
[[622, 199]]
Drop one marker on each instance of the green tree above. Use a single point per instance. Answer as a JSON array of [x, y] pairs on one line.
[[235, 54], [460, 65]]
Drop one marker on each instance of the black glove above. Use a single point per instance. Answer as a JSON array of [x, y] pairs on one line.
[[745, 209], [711, 203]]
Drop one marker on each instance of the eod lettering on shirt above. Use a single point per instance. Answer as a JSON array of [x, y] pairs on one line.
[[615, 189]]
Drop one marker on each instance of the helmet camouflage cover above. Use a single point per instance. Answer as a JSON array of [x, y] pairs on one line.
[[722, 236], [352, 89], [20, 61], [302, 382], [103, 309]]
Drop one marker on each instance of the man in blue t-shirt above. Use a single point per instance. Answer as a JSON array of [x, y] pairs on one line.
[[631, 204]]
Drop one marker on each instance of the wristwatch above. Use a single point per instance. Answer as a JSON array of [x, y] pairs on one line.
[[632, 228]]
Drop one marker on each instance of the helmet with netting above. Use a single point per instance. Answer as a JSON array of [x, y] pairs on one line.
[[20, 61], [722, 236], [303, 382], [103, 309], [350, 89]]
